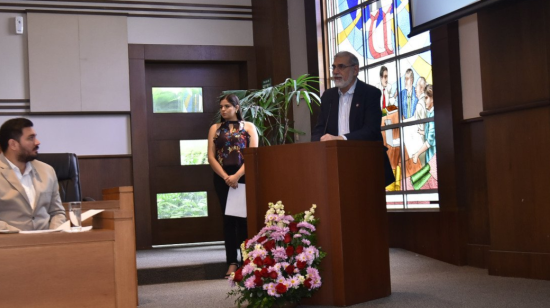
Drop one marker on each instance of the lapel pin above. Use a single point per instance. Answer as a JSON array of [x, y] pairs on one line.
[[356, 105]]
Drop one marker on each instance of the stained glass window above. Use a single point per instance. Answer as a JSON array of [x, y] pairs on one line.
[[401, 67]]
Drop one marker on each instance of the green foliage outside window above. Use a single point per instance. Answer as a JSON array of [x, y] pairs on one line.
[[177, 100], [194, 152], [182, 205]]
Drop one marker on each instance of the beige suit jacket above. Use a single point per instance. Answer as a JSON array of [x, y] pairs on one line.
[[16, 213]]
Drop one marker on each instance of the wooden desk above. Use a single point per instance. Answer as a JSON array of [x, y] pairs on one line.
[[58, 270], [88, 269]]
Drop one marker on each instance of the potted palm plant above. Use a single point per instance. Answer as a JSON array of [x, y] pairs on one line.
[[268, 108]]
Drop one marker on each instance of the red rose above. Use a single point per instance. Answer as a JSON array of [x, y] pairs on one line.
[[261, 239], [258, 261], [264, 272], [258, 281], [238, 275], [246, 261], [273, 275], [289, 251], [257, 274], [245, 243], [307, 283], [269, 245], [293, 226], [299, 250], [280, 288], [290, 269], [269, 261], [288, 238], [301, 264]]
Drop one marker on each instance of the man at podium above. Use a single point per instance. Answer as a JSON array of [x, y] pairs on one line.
[[351, 110], [29, 191]]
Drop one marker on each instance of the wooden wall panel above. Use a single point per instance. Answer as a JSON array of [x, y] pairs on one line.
[[430, 233], [514, 71], [474, 192], [271, 40], [100, 172], [516, 103], [140, 146], [517, 170]]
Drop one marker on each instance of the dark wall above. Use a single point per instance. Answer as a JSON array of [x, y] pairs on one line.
[[104, 171], [270, 26], [515, 76], [473, 194]]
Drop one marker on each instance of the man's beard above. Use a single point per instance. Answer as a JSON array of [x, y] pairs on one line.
[[27, 156], [341, 83]]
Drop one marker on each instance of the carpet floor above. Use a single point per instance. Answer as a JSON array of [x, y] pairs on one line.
[[416, 281]]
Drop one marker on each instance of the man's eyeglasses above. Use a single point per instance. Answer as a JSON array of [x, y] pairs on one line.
[[341, 66]]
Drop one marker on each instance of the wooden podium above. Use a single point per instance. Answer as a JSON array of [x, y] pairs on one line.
[[345, 180]]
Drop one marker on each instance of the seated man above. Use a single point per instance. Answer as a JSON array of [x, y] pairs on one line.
[[29, 192]]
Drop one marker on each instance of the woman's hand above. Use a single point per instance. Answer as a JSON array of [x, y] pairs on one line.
[[232, 180]]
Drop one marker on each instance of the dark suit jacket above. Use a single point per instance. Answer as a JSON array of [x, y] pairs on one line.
[[364, 118]]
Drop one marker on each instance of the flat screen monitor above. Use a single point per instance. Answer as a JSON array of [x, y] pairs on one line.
[[428, 14]]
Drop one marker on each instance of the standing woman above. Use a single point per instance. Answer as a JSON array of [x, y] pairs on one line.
[[225, 142]]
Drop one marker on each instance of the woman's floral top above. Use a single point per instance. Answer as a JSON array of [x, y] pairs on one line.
[[229, 143]]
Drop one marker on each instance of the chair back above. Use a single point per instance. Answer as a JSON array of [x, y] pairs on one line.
[[67, 171]]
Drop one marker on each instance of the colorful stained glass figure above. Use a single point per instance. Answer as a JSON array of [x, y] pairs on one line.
[[349, 30], [384, 77], [379, 31], [421, 156], [412, 69], [406, 44], [392, 140]]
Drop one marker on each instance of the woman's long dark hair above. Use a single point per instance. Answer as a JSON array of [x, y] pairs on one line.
[[233, 100]]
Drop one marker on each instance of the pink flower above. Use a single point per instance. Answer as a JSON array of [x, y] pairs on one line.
[[249, 283], [279, 254], [293, 282], [306, 225], [312, 252], [247, 269]]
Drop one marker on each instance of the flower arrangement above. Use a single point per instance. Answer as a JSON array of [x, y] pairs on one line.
[[281, 262]]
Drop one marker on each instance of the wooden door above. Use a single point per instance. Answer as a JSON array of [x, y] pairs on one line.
[[167, 175]]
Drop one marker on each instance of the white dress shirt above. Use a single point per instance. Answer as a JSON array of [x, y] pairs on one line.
[[344, 107], [26, 180]]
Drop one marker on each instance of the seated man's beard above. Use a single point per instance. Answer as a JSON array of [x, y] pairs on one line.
[[26, 157]]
